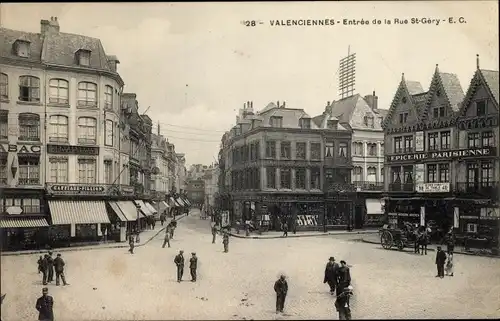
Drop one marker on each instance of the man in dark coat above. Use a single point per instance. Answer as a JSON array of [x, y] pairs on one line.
[[166, 240], [44, 268], [179, 262], [193, 264], [285, 229], [59, 267], [440, 261], [225, 241], [131, 243], [281, 289], [331, 274], [50, 268], [214, 233], [342, 304], [343, 277], [44, 306]]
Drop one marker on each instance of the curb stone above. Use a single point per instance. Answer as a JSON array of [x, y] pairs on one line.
[[433, 250], [256, 237], [89, 248]]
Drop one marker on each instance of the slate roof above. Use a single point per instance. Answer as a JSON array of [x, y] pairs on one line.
[[414, 87], [381, 112], [453, 89], [343, 108], [491, 79], [56, 48]]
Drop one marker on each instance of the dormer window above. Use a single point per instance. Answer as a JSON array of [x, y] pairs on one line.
[[305, 123], [331, 124], [369, 121], [83, 56], [276, 121], [22, 48]]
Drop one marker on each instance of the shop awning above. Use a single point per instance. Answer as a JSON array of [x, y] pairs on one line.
[[151, 207], [144, 209], [118, 211], [78, 212], [188, 202], [23, 222], [173, 202], [181, 201], [129, 210], [373, 206]]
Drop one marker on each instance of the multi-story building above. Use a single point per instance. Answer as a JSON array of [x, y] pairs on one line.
[[196, 171], [160, 179], [365, 120], [283, 165], [441, 153], [180, 173], [211, 179], [195, 191], [61, 132]]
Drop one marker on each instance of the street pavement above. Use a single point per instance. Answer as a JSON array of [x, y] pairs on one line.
[[111, 284]]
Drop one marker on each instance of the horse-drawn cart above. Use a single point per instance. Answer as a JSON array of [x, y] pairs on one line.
[[399, 238]]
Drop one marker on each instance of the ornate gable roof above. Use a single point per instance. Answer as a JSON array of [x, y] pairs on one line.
[[451, 87], [411, 89], [490, 80]]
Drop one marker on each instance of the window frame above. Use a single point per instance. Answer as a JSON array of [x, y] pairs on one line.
[[108, 97], [301, 170], [54, 135], [276, 121], [288, 181], [108, 123], [398, 144], [28, 117], [29, 167], [271, 149], [4, 125], [432, 171], [58, 98], [85, 140], [303, 155], [85, 101], [285, 149], [4, 86], [318, 151], [32, 86], [408, 143], [447, 135], [434, 137], [343, 149], [483, 110], [475, 138], [269, 170], [87, 169], [58, 169]]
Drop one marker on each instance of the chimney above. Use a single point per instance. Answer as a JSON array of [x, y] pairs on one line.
[[477, 61], [244, 106], [47, 26], [113, 62], [251, 104], [375, 101], [283, 106]]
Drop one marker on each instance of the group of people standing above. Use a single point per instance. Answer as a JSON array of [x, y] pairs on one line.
[[47, 265], [339, 281], [179, 263]]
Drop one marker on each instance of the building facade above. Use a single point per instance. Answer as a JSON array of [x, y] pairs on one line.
[[181, 174], [62, 142], [211, 178], [442, 155], [365, 119], [282, 165], [195, 191]]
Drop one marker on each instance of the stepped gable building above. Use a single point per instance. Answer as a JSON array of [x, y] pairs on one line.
[[365, 120], [278, 164], [442, 155]]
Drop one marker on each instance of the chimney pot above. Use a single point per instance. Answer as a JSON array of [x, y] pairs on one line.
[[278, 103], [284, 103]]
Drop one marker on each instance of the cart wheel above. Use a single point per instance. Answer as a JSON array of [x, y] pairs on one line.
[[386, 240], [400, 245]]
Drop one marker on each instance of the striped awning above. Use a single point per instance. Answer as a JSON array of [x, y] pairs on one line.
[[23, 222], [187, 202], [151, 208], [144, 209], [129, 210], [78, 212], [118, 211]]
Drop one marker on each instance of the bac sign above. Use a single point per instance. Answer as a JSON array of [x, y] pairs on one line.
[[20, 149]]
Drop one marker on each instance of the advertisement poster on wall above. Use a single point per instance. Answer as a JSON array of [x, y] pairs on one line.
[[419, 141], [225, 219]]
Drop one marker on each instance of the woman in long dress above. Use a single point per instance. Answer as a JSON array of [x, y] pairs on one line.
[[449, 265]]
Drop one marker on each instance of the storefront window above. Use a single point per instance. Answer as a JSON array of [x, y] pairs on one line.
[[86, 231]]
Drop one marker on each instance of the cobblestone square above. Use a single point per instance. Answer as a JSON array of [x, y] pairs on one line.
[[111, 284]]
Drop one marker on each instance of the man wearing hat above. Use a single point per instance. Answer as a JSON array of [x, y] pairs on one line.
[[179, 262], [193, 264], [331, 274], [59, 267], [281, 289], [44, 306], [50, 268], [343, 277], [44, 267], [342, 304]]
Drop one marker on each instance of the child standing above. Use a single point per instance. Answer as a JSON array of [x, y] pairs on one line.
[[449, 265]]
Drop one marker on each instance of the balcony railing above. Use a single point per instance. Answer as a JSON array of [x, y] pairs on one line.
[[401, 187], [368, 186], [485, 189]]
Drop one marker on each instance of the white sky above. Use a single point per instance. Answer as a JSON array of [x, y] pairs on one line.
[[164, 46]]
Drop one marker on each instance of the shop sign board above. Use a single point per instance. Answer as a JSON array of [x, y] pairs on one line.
[[405, 214], [432, 187], [307, 220], [225, 219], [438, 155], [76, 189], [72, 150], [20, 149], [419, 141]]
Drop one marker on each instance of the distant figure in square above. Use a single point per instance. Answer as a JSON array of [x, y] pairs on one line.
[[179, 262], [225, 241], [285, 229], [59, 267], [281, 289], [449, 265], [193, 265], [440, 261], [131, 243], [166, 240]]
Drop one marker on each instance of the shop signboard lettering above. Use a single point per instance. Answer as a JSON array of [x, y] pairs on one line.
[[432, 187], [20, 149], [307, 220], [72, 150], [459, 153], [405, 214], [76, 189]]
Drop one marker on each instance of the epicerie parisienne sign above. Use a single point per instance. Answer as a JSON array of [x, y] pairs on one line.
[[487, 151]]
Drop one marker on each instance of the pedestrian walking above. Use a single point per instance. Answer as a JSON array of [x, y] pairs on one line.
[[162, 218], [179, 262], [214, 233], [166, 240], [59, 267], [440, 261], [285, 229], [40, 264], [449, 240], [50, 268], [281, 289], [416, 247], [342, 303], [193, 265], [131, 243], [44, 306], [331, 274], [449, 265], [172, 228], [343, 277], [45, 269], [225, 241]]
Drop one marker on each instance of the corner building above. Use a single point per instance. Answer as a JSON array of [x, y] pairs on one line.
[[282, 165], [442, 156]]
